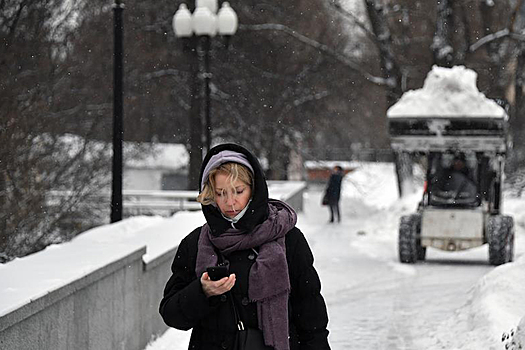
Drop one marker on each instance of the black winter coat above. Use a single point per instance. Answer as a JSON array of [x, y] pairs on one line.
[[185, 306], [333, 189]]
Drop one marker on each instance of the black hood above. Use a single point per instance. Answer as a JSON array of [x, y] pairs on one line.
[[257, 209]]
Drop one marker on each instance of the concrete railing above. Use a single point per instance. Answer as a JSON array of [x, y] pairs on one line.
[[113, 307], [290, 192]]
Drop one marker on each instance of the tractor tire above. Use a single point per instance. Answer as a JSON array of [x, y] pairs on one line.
[[409, 244], [500, 236]]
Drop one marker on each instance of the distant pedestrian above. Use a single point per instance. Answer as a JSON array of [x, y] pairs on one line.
[[244, 280], [333, 193]]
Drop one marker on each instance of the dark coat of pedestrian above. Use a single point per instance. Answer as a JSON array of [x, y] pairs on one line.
[[272, 285], [333, 193]]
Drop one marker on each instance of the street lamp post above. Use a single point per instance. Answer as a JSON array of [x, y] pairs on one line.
[[205, 22], [116, 186]]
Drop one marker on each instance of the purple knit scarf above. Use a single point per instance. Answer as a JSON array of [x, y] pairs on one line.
[[269, 283]]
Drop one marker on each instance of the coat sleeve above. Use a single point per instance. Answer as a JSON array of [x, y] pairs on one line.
[[184, 303], [308, 308]]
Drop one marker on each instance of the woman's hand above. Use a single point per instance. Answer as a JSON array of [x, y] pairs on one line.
[[212, 288]]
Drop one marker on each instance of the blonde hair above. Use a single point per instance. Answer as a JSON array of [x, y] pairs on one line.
[[234, 171]]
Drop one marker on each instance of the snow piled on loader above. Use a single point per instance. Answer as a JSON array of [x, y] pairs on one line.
[[447, 92]]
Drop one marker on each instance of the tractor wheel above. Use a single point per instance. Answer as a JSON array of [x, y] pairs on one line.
[[500, 236], [410, 250]]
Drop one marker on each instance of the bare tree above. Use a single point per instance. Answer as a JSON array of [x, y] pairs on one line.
[[35, 158]]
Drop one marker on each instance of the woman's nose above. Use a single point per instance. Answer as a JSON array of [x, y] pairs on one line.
[[230, 198]]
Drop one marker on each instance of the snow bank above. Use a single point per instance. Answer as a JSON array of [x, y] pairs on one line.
[[495, 306], [515, 339], [372, 187], [447, 92]]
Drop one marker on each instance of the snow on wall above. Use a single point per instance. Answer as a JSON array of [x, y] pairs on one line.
[[447, 92]]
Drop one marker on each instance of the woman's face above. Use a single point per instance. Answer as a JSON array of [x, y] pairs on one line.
[[231, 200]]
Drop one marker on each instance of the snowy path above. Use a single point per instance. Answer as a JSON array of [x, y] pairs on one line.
[[374, 302]]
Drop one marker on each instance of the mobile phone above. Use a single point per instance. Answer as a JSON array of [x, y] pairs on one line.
[[217, 272]]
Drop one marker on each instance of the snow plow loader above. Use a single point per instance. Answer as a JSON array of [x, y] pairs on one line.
[[464, 156]]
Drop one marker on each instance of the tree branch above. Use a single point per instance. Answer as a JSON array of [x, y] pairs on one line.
[[321, 47]]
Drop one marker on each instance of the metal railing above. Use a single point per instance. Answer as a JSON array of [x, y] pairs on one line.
[[136, 202], [166, 203]]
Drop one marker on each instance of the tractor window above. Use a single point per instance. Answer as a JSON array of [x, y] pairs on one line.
[[452, 182]]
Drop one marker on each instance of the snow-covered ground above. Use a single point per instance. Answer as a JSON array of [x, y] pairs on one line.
[[451, 301]]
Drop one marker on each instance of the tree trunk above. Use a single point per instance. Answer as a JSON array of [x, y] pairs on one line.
[[441, 46], [404, 172], [389, 68], [518, 122]]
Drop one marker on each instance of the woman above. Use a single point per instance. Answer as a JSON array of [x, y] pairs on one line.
[[272, 286]]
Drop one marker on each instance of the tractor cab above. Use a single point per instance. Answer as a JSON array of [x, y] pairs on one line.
[[453, 181]]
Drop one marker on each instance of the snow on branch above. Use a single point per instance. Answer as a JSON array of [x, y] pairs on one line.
[[489, 38], [495, 36], [165, 72], [308, 98], [321, 47]]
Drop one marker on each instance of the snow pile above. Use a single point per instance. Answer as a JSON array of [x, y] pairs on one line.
[[369, 191], [372, 187], [495, 306], [447, 92]]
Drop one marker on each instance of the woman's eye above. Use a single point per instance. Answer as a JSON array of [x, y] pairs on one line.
[[218, 194]]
